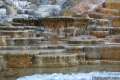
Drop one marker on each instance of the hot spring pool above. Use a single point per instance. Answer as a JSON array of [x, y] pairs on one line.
[[75, 76]]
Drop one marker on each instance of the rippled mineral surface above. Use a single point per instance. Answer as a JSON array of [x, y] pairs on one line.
[[75, 76]]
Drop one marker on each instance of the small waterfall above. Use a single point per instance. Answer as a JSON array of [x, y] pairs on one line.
[[3, 41], [2, 63], [10, 8], [56, 60]]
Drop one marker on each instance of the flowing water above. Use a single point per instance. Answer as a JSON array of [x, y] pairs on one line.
[[75, 76]]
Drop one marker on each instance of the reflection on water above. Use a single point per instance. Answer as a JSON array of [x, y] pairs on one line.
[[68, 70], [81, 68]]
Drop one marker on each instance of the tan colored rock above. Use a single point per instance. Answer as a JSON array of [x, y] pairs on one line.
[[19, 61], [110, 53], [100, 34]]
